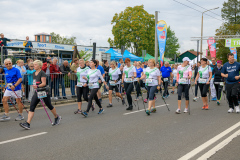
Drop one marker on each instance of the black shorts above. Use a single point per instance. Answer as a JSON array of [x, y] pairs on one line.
[[114, 87], [100, 85]]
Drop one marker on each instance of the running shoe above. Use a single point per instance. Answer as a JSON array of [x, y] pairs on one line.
[[57, 120], [214, 98], [5, 118], [153, 110], [25, 125], [237, 109], [195, 99], [163, 97], [218, 103], [145, 100], [203, 107], [230, 110], [93, 106], [19, 118], [148, 112], [84, 114], [172, 92], [178, 111], [185, 110], [110, 105], [206, 107], [167, 96], [78, 111], [123, 101], [100, 111], [129, 108]]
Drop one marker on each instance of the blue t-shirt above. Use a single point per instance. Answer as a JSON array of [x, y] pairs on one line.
[[101, 69], [165, 71], [12, 76], [30, 76], [28, 45], [232, 70], [139, 72], [119, 65]]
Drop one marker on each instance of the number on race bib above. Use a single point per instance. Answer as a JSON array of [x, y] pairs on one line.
[[149, 80], [182, 81], [165, 79], [42, 94], [112, 83], [201, 80], [90, 85], [128, 80], [80, 84]]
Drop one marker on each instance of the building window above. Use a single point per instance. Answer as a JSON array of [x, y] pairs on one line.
[[47, 39], [38, 38]]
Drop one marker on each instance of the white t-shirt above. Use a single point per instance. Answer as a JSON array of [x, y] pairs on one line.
[[184, 73], [174, 74], [93, 76], [129, 71], [82, 72], [114, 74], [152, 74], [204, 72]]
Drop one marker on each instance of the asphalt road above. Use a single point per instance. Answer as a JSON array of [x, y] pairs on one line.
[[116, 135]]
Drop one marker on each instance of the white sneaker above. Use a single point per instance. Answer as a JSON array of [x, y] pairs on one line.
[[195, 99], [185, 110], [178, 111], [237, 109], [230, 110]]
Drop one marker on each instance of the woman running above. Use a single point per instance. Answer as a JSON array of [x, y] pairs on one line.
[[39, 85], [137, 83], [82, 87], [174, 71], [204, 76], [153, 82], [129, 73], [218, 80], [114, 82], [92, 77], [184, 74]]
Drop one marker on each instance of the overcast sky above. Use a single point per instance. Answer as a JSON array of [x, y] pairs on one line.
[[91, 19]]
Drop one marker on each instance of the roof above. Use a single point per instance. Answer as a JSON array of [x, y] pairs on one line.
[[46, 34], [195, 53]]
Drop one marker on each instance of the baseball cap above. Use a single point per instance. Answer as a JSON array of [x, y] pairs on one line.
[[186, 59]]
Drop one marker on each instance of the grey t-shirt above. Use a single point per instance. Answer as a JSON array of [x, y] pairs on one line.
[[37, 78]]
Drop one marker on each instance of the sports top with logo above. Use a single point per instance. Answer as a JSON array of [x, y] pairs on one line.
[[93, 76], [80, 73], [114, 74], [129, 73], [183, 74], [232, 70], [204, 74], [152, 74]]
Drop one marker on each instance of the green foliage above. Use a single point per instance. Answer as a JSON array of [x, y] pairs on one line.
[[172, 44], [134, 27], [56, 38], [231, 11], [85, 55]]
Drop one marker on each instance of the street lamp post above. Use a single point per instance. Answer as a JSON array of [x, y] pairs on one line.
[[202, 30]]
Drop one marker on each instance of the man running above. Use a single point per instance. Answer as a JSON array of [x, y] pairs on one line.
[[230, 71], [166, 74]]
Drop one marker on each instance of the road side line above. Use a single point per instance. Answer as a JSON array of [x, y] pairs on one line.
[[141, 110], [17, 139], [219, 146], [209, 142]]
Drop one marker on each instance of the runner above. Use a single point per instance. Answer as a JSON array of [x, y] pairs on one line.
[[82, 87], [184, 74], [39, 85], [114, 82], [230, 71], [203, 77], [93, 76], [213, 90], [174, 71], [129, 73], [153, 82], [195, 75], [137, 84], [166, 74], [13, 80]]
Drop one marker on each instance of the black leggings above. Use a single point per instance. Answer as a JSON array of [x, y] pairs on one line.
[[128, 88], [165, 85], [137, 87], [203, 89], [196, 89], [218, 89], [82, 91], [151, 92], [93, 94], [232, 94], [35, 101], [183, 88]]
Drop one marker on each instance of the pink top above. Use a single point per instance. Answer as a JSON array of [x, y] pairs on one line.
[[187, 72]]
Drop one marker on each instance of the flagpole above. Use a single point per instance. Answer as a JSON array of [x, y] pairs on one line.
[[156, 41]]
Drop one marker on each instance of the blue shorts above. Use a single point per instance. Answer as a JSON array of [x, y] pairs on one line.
[[174, 82]]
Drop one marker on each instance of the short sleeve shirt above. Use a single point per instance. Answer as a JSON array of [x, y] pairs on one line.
[[153, 74], [38, 78], [12, 76]]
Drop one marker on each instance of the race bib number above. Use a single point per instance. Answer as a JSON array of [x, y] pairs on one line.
[[217, 82], [201, 80], [128, 80], [182, 81], [112, 83], [9, 85], [221, 83], [90, 85], [42, 94], [80, 84], [149, 80], [135, 79], [165, 79]]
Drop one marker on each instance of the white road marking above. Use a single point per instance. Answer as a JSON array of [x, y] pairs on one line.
[[142, 110], [219, 146], [209, 142], [17, 139]]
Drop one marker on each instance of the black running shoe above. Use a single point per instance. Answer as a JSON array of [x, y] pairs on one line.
[[25, 125], [123, 101], [130, 108], [93, 106], [110, 105], [78, 112], [57, 120]]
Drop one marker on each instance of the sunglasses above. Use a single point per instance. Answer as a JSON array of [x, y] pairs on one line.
[[8, 63], [30, 66]]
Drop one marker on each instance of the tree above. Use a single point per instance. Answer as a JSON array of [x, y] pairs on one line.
[[56, 38], [172, 44], [231, 11], [85, 55], [134, 27]]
